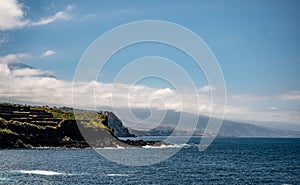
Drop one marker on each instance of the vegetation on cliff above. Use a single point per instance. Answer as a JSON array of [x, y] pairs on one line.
[[35, 126]]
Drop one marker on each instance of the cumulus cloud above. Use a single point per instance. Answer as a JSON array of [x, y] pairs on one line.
[[47, 53], [35, 86], [32, 86], [13, 58], [18, 72], [28, 72], [207, 88], [12, 16]]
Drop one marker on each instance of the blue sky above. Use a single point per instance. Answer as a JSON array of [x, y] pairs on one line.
[[257, 44]]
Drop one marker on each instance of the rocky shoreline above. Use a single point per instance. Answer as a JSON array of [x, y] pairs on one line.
[[19, 144]]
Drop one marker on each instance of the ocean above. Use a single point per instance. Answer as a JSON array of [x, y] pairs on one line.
[[225, 161]]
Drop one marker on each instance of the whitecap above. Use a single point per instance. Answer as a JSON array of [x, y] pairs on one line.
[[115, 147], [117, 175], [167, 146], [120, 147], [41, 172]]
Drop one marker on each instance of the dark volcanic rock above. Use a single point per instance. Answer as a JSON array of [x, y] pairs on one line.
[[116, 124], [20, 144], [140, 143]]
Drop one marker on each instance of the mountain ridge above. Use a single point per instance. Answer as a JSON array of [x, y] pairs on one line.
[[21, 66], [228, 128]]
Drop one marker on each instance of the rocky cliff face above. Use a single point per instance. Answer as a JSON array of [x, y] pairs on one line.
[[116, 124], [27, 127]]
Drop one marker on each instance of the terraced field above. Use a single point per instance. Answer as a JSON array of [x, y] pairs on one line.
[[30, 115], [29, 126]]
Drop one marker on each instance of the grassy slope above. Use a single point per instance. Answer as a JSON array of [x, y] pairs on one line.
[[29, 122], [91, 119]]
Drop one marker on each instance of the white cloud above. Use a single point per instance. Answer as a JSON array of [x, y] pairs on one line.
[[249, 97], [288, 96], [12, 58], [58, 16], [291, 95], [12, 16], [207, 88], [47, 53], [27, 72], [33, 86], [247, 107], [246, 114], [30, 85]]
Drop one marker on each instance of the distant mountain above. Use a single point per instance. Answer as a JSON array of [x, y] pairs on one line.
[[277, 125], [228, 128], [19, 66]]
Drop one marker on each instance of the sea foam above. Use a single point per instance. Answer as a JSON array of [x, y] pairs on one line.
[[117, 175], [41, 172]]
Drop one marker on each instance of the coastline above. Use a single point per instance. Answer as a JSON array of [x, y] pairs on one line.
[[23, 126]]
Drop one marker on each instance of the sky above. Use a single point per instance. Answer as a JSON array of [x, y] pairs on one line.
[[256, 43]]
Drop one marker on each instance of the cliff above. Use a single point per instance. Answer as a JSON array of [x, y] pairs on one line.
[[29, 127]]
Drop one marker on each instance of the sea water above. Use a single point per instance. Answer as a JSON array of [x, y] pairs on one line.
[[226, 161]]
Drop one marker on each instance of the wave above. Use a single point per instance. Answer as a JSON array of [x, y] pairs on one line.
[[41, 172], [118, 175], [169, 146], [149, 146], [117, 147]]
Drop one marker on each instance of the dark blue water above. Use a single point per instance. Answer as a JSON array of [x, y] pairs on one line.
[[226, 161]]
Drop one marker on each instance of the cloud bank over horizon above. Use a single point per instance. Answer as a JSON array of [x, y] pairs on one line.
[[34, 86]]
